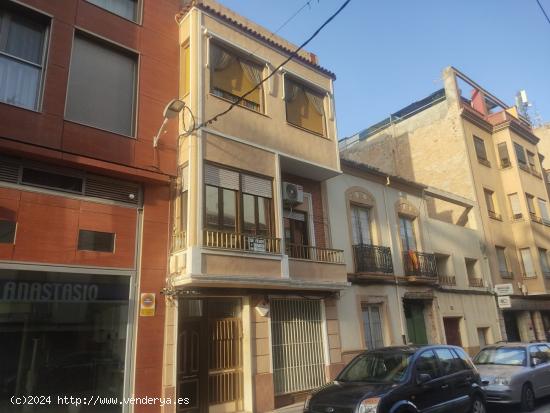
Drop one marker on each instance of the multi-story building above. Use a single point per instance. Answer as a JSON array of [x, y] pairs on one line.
[[418, 273], [543, 133], [251, 322], [83, 84], [466, 141]]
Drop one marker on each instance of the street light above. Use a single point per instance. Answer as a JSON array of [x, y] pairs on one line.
[[171, 110]]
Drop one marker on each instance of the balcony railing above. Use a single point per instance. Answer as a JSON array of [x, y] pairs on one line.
[[535, 218], [308, 252], [241, 242], [476, 282], [546, 273], [447, 280], [372, 258], [506, 274], [179, 241], [420, 264]]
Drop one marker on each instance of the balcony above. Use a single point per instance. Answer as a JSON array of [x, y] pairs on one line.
[[420, 264], [241, 242], [448, 280], [476, 282], [179, 241], [372, 259], [308, 252]]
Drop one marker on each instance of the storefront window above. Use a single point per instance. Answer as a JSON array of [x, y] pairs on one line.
[[62, 335]]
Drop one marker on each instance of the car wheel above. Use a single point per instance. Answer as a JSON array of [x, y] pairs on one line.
[[527, 398], [478, 406]]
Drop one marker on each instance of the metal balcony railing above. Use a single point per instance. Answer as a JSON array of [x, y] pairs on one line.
[[179, 241], [476, 282], [506, 274], [308, 252], [241, 242], [372, 258], [420, 264], [447, 280]]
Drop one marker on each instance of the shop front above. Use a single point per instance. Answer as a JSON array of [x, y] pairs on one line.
[[63, 334]]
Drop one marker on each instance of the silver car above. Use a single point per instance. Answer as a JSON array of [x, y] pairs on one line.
[[515, 372]]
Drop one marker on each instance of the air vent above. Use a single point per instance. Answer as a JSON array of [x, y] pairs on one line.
[[9, 172], [112, 189]]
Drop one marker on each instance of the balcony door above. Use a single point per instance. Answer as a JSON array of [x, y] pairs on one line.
[[296, 234], [406, 233], [360, 225]]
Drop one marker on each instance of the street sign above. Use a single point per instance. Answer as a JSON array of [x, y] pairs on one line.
[[147, 305], [504, 289], [504, 301]]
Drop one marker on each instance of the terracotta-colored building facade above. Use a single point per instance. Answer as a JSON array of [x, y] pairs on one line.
[[83, 86]]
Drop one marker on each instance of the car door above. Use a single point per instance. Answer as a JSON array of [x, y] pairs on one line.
[[451, 369], [544, 368], [536, 372], [434, 395]]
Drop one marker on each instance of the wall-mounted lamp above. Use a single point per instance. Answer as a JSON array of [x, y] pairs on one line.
[[171, 110]]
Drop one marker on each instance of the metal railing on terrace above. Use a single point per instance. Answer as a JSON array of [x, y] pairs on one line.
[[241, 242], [372, 258], [179, 241], [420, 264], [308, 252]]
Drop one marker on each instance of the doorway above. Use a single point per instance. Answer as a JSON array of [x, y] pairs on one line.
[[210, 355], [452, 331], [511, 326], [416, 325]]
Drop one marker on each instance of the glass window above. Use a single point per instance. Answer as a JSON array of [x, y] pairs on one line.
[[471, 267], [506, 356], [448, 363], [531, 204], [229, 200], [527, 262], [22, 41], [96, 241], [7, 231], [102, 86], [125, 8], [296, 231], [372, 321], [543, 211], [531, 161], [63, 334], [427, 364], [543, 254], [304, 107], [231, 77], [377, 367], [212, 207], [514, 205], [256, 213], [520, 154], [480, 149], [502, 263], [406, 232], [489, 200], [360, 225], [503, 155]]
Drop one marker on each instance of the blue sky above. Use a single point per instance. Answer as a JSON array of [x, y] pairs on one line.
[[387, 54]]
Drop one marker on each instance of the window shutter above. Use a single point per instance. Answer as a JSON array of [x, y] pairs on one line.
[[503, 154], [527, 261], [257, 186], [223, 178], [514, 204]]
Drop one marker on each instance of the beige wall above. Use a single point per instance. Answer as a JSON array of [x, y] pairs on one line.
[[543, 133]]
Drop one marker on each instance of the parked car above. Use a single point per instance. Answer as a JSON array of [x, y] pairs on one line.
[[404, 379], [515, 372]]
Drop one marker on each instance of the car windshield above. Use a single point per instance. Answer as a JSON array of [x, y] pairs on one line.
[[377, 367], [507, 356]]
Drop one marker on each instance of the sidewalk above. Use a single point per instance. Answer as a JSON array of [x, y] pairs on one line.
[[293, 408]]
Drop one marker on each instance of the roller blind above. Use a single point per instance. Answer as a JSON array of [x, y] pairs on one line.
[[543, 210], [527, 262], [257, 186], [223, 178], [514, 204]]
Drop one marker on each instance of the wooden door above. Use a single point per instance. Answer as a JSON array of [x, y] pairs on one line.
[[416, 326], [452, 331]]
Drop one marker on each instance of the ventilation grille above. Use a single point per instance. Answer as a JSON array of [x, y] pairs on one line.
[[111, 189], [9, 172]]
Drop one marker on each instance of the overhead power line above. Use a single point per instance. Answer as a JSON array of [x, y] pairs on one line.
[[543, 11], [290, 57]]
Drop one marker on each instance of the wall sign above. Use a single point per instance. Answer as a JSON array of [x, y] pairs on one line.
[[504, 289], [147, 305], [504, 301]]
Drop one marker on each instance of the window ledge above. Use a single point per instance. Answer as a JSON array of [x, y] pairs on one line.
[[308, 130], [13, 105], [484, 162], [99, 129], [237, 105]]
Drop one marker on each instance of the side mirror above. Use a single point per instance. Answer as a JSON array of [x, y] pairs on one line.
[[535, 361], [423, 378]]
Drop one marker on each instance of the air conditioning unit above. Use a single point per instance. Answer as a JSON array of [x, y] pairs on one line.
[[292, 194]]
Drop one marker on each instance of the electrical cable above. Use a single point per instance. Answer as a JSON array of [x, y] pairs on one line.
[[543, 11], [290, 57]]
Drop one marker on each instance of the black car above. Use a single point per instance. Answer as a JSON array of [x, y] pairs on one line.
[[405, 379]]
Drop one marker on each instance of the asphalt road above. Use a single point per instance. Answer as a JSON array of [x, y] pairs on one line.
[[543, 406]]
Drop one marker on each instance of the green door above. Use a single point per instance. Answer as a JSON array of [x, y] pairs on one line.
[[416, 326]]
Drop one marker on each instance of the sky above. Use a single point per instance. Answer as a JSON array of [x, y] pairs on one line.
[[389, 53]]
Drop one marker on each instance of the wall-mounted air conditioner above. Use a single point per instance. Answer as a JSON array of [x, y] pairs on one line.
[[292, 194]]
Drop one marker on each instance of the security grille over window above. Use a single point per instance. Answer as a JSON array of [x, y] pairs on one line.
[[297, 340], [9, 172]]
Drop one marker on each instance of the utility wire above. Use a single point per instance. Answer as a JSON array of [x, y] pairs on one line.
[[543, 11], [292, 55]]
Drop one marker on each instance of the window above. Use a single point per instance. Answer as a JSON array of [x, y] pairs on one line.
[[372, 321], [543, 211], [442, 263], [232, 77], [96, 241], [304, 107], [503, 155], [360, 225], [527, 263], [102, 86], [227, 192], [480, 151], [427, 364], [124, 8], [186, 71], [543, 254], [471, 267], [47, 179], [296, 228], [531, 205], [520, 154], [22, 56], [531, 161], [514, 205], [490, 202], [503, 263], [7, 231], [406, 232], [483, 336]]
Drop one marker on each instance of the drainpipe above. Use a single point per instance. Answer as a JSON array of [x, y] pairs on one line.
[[399, 307]]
